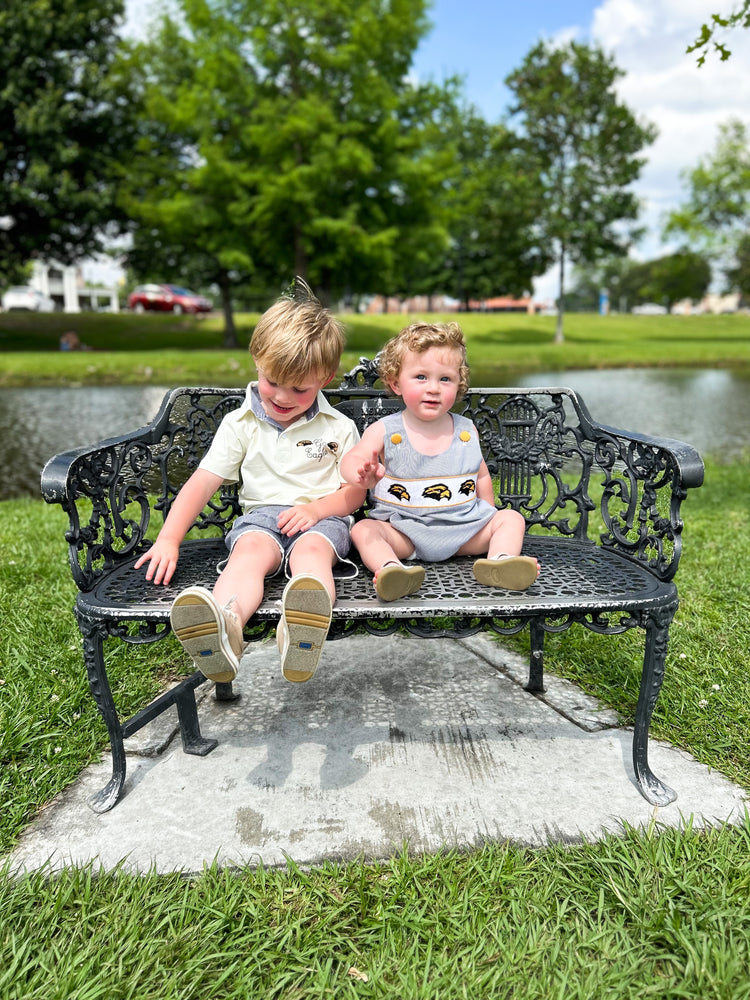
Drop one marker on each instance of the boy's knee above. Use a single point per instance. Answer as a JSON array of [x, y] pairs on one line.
[[311, 545]]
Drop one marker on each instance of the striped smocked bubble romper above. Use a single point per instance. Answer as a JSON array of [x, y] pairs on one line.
[[432, 499]]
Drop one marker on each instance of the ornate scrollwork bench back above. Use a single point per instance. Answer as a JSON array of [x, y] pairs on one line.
[[602, 507]]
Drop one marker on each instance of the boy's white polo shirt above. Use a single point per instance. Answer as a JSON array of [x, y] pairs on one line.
[[276, 465]]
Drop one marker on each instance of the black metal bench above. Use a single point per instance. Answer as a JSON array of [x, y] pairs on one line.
[[602, 508]]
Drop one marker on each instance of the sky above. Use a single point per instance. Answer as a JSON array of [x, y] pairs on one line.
[[482, 41]]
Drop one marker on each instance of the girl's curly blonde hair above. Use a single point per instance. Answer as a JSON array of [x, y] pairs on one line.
[[418, 338]]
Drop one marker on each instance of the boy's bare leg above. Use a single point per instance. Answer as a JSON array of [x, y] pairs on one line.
[[502, 535], [314, 555], [242, 581], [379, 543], [209, 625]]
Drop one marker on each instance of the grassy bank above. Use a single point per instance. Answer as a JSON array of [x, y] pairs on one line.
[[651, 916], [665, 915], [168, 350]]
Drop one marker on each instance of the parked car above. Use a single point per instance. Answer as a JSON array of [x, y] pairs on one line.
[[167, 298], [25, 297]]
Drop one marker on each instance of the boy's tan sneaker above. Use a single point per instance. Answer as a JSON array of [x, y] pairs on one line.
[[303, 626], [210, 634]]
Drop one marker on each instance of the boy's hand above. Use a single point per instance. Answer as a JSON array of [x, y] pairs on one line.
[[370, 472], [297, 519], [162, 560]]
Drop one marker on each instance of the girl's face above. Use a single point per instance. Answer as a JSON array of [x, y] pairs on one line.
[[287, 403], [428, 382]]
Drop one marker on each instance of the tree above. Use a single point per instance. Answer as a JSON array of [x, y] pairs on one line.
[[283, 139], [738, 274], [707, 37], [64, 116], [493, 203], [681, 275], [585, 145], [716, 215]]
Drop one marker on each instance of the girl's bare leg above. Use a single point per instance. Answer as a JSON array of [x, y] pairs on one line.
[[502, 539], [378, 543]]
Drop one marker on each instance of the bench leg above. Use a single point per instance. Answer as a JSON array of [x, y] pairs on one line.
[[93, 634], [657, 636], [190, 732], [535, 683]]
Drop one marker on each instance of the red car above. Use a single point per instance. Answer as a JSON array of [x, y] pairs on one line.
[[167, 298]]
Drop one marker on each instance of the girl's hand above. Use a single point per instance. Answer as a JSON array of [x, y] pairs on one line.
[[370, 472]]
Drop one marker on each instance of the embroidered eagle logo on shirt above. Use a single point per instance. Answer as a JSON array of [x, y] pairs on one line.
[[467, 487], [399, 491], [317, 449], [438, 491]]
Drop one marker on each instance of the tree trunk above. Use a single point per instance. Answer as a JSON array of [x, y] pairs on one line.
[[230, 333], [559, 336]]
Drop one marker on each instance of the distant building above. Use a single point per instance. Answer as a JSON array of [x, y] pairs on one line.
[[444, 304], [415, 304], [71, 293], [503, 303], [713, 303]]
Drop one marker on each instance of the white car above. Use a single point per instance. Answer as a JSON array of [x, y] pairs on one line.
[[24, 297], [649, 309]]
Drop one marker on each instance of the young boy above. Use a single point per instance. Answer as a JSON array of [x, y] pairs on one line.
[[431, 492], [283, 445]]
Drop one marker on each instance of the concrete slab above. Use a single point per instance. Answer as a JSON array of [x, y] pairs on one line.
[[396, 741]]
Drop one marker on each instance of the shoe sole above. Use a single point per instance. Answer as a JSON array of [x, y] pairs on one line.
[[305, 621], [513, 573], [398, 581], [198, 624]]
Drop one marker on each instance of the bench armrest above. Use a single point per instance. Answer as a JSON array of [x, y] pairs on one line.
[[643, 480], [110, 489]]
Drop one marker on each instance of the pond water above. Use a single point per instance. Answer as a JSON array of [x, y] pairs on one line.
[[709, 409]]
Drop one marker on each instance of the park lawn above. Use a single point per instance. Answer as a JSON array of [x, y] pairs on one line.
[[658, 913], [171, 351]]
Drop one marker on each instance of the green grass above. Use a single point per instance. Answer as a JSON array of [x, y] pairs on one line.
[[166, 350], [660, 915]]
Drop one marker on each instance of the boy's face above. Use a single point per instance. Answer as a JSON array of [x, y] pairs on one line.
[[428, 382], [287, 403]]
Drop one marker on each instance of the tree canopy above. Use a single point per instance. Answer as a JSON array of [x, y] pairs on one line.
[[716, 215], [64, 117], [585, 144], [281, 139]]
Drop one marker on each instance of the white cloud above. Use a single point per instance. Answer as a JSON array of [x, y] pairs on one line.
[[664, 85]]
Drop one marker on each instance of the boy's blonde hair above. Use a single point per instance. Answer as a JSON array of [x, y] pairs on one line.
[[418, 338], [296, 338]]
